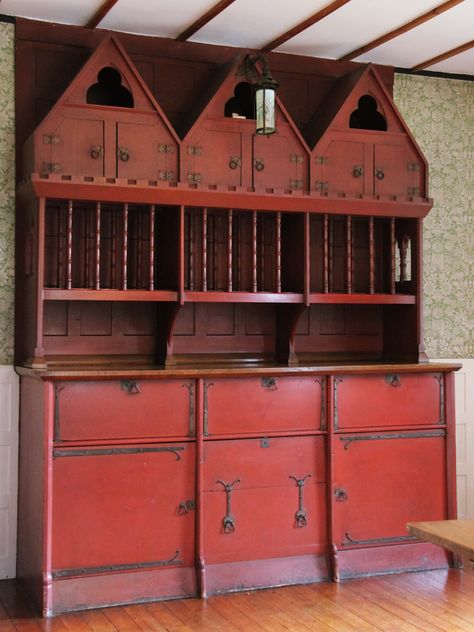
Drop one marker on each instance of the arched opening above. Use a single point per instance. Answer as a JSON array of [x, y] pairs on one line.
[[367, 116], [109, 90], [241, 104]]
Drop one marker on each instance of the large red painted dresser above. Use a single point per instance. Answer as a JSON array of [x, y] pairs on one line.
[[219, 335]]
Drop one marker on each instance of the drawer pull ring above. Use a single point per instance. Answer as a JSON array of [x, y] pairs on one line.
[[235, 162], [259, 164], [301, 517], [269, 383], [123, 154], [379, 173], [97, 152], [228, 522], [340, 494], [393, 379], [130, 387], [358, 171]]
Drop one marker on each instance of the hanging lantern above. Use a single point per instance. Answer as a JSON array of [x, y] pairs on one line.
[[265, 91]]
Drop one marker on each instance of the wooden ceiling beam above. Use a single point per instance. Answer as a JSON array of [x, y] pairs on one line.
[[302, 26], [450, 53], [445, 6], [100, 14], [203, 20]]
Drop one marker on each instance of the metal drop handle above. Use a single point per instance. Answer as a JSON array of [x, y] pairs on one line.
[[301, 517], [259, 164], [379, 173], [358, 171], [97, 152], [123, 154], [234, 162], [228, 522]]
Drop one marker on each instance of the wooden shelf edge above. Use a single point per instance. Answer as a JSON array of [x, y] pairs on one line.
[[242, 297], [50, 294], [363, 299]]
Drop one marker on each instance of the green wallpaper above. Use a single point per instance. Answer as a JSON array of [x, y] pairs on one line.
[[440, 114], [7, 191]]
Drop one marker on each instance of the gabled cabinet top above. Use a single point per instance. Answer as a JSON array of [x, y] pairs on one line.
[[106, 124]]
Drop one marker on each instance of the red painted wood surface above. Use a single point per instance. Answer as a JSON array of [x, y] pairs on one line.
[[389, 400], [383, 481], [127, 409], [264, 499], [264, 405], [122, 508]]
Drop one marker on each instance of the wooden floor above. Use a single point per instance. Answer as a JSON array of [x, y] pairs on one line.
[[429, 601]]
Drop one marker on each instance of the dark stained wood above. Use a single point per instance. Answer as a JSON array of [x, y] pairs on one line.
[[100, 14], [305, 24], [204, 19], [429, 15], [443, 56]]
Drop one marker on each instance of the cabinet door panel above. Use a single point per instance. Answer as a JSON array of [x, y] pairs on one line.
[[264, 462], [122, 507], [123, 410], [78, 147], [279, 161], [340, 166], [388, 400], [393, 159], [257, 405], [381, 482], [146, 151], [216, 158], [265, 524]]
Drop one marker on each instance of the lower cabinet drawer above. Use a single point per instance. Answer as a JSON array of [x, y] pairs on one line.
[[268, 404], [264, 500], [122, 508], [388, 400], [124, 409]]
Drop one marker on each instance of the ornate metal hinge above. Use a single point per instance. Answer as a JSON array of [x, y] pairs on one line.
[[322, 384], [194, 151], [228, 522], [165, 175], [207, 386], [165, 149], [192, 416], [296, 159], [321, 160], [50, 139], [414, 191], [337, 381], [186, 506], [397, 538], [440, 380], [194, 177], [321, 186], [301, 517], [413, 166], [296, 184], [51, 167]]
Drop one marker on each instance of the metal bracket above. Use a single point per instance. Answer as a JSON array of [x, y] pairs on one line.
[[165, 175], [50, 139], [322, 383], [440, 380], [337, 381], [393, 379], [269, 383], [228, 522], [194, 177], [321, 160], [296, 159], [192, 415], [398, 538], [194, 151], [348, 439], [165, 149], [130, 387], [301, 517], [207, 386], [186, 506]]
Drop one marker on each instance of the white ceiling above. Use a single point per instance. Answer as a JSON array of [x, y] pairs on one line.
[[255, 23]]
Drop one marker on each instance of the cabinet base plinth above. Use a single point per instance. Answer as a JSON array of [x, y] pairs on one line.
[[382, 560], [82, 593], [284, 571]]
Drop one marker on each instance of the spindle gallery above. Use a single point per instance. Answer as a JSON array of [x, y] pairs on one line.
[[224, 381]]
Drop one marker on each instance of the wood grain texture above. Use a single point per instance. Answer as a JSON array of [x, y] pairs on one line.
[[454, 535], [431, 601]]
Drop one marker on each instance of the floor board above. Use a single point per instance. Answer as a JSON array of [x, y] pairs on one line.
[[433, 601]]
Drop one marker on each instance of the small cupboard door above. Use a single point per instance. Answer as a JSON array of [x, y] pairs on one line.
[[264, 498], [384, 480], [279, 161], [339, 165], [396, 169], [118, 507]]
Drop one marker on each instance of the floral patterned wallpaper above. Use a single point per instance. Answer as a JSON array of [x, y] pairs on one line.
[[7, 191], [440, 114]]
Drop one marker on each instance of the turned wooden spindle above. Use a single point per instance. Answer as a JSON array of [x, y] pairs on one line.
[[70, 208], [125, 247], [113, 248], [393, 246], [151, 257], [97, 247], [349, 254], [139, 249], [278, 253], [229, 249], [254, 252], [326, 252], [204, 249], [371, 256]]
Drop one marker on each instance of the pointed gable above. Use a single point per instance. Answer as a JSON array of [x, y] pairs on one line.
[[106, 123], [220, 146], [361, 144]]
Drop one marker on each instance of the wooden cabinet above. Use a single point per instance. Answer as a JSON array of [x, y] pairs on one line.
[[224, 382]]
